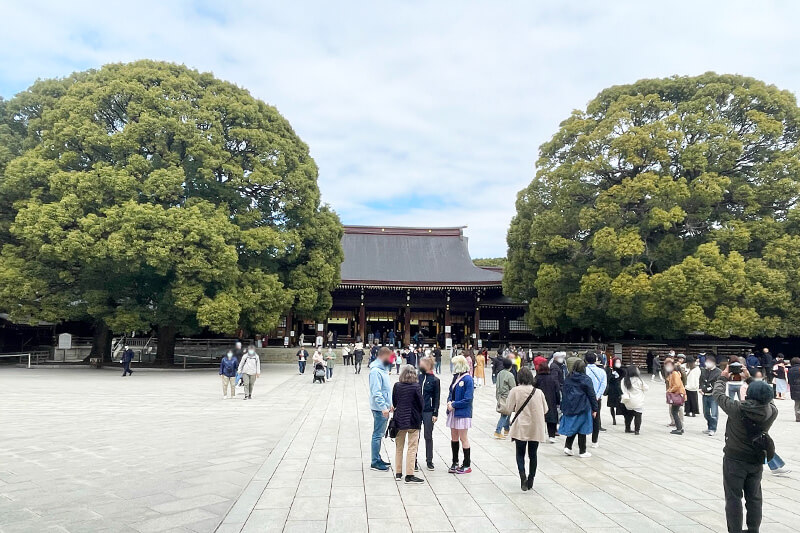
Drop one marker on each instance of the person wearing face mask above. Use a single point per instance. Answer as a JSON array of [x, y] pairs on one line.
[[676, 395], [250, 369], [227, 373], [330, 360], [559, 367], [692, 389], [708, 376], [600, 383], [615, 374], [127, 357], [238, 352]]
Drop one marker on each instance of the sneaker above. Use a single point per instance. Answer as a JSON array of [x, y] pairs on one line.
[[505, 432], [676, 432], [453, 468], [636, 432], [247, 397], [711, 433], [585, 455], [414, 479], [463, 470], [551, 440], [567, 451], [430, 466], [706, 431], [379, 467], [499, 436], [782, 470], [595, 445], [398, 477], [224, 396]]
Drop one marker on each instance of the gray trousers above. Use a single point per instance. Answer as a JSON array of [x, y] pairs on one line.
[[742, 479], [797, 410], [427, 426], [249, 380]]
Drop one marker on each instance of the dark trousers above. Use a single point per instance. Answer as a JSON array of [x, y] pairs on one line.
[[552, 429], [427, 425], [742, 479], [692, 406], [676, 416], [634, 417], [596, 425], [358, 366], [126, 368], [581, 443], [532, 447]]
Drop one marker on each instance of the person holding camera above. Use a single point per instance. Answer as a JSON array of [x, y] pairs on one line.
[[708, 377], [747, 447]]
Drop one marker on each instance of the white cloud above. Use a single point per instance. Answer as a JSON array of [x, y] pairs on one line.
[[416, 112]]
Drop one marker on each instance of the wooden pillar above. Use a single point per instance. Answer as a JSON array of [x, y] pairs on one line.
[[477, 327], [362, 322], [407, 325], [448, 325], [289, 325]]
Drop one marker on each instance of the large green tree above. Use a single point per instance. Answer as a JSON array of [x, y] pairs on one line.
[[666, 207], [149, 195]]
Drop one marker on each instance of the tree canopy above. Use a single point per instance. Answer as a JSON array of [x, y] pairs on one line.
[[148, 195], [666, 207]]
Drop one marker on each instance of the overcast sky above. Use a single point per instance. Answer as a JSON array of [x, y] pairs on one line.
[[417, 113]]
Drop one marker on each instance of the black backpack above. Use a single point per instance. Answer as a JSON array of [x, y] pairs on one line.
[[759, 438]]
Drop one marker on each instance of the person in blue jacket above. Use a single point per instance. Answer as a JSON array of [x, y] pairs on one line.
[[227, 372], [459, 413], [579, 407], [127, 357], [380, 404]]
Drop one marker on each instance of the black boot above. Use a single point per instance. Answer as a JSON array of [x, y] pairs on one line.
[[530, 482], [523, 481]]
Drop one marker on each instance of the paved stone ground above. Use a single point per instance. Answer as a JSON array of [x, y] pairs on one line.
[[84, 450]]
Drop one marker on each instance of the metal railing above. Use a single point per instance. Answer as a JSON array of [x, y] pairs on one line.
[[33, 358]]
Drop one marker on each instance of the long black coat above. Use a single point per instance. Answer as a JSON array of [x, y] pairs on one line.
[[550, 385], [407, 402], [793, 377], [614, 389]]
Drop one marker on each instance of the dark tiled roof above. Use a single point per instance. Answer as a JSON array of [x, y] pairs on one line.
[[411, 257]]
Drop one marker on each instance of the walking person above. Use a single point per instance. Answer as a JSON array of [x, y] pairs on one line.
[[615, 374], [744, 456], [676, 395], [407, 403], [459, 414], [431, 392], [227, 373], [302, 358], [600, 382], [548, 382], [779, 371], [579, 406], [793, 379], [250, 370], [127, 358], [480, 365], [657, 376], [528, 426], [505, 382], [692, 390], [358, 357], [437, 358], [633, 389], [708, 377], [380, 405], [330, 360]]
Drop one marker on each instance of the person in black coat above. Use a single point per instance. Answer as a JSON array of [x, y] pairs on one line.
[[431, 392], [793, 377], [549, 384], [614, 390], [407, 402]]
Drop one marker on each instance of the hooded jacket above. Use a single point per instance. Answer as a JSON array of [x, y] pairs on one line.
[[378, 386], [737, 444], [578, 396]]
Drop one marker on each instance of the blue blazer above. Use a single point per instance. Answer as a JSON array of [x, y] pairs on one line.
[[461, 396]]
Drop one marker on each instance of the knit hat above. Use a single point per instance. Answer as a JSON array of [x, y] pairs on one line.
[[507, 363], [759, 391], [591, 358]]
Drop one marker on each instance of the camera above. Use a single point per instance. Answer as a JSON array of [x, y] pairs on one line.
[[736, 368]]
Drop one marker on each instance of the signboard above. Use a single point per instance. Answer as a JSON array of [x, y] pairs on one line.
[[448, 342], [448, 329], [480, 343], [286, 342], [320, 327], [64, 341]]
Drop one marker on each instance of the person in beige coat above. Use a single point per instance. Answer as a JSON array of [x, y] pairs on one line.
[[528, 427]]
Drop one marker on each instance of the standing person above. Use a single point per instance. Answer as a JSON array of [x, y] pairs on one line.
[[459, 414], [767, 363], [497, 367], [708, 377], [302, 358], [779, 373], [238, 352], [480, 365], [743, 460], [528, 425], [505, 382], [127, 357], [391, 337], [633, 389], [558, 366], [345, 355], [330, 338], [676, 395], [380, 405], [615, 373], [227, 373], [437, 357], [358, 357], [431, 393], [411, 357], [547, 381], [600, 383], [793, 379], [407, 402], [330, 360], [579, 407], [250, 369], [657, 369], [301, 339], [692, 390]]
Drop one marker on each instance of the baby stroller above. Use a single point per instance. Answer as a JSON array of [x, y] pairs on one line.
[[319, 373]]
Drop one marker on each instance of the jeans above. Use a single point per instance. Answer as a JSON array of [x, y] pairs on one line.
[[358, 366], [329, 371], [503, 423], [776, 463], [427, 425], [742, 479], [437, 366], [302, 366], [378, 429], [533, 448], [711, 412], [733, 390]]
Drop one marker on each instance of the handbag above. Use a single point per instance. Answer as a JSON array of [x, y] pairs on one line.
[[675, 398], [524, 404], [502, 406], [391, 429]]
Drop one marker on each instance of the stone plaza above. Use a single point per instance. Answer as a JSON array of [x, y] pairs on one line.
[[87, 451]]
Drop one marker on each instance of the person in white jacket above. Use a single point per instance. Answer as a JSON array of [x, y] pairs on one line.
[[692, 407], [250, 369], [633, 389]]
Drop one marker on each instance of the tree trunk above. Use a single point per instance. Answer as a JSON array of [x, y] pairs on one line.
[[101, 343], [165, 350]]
